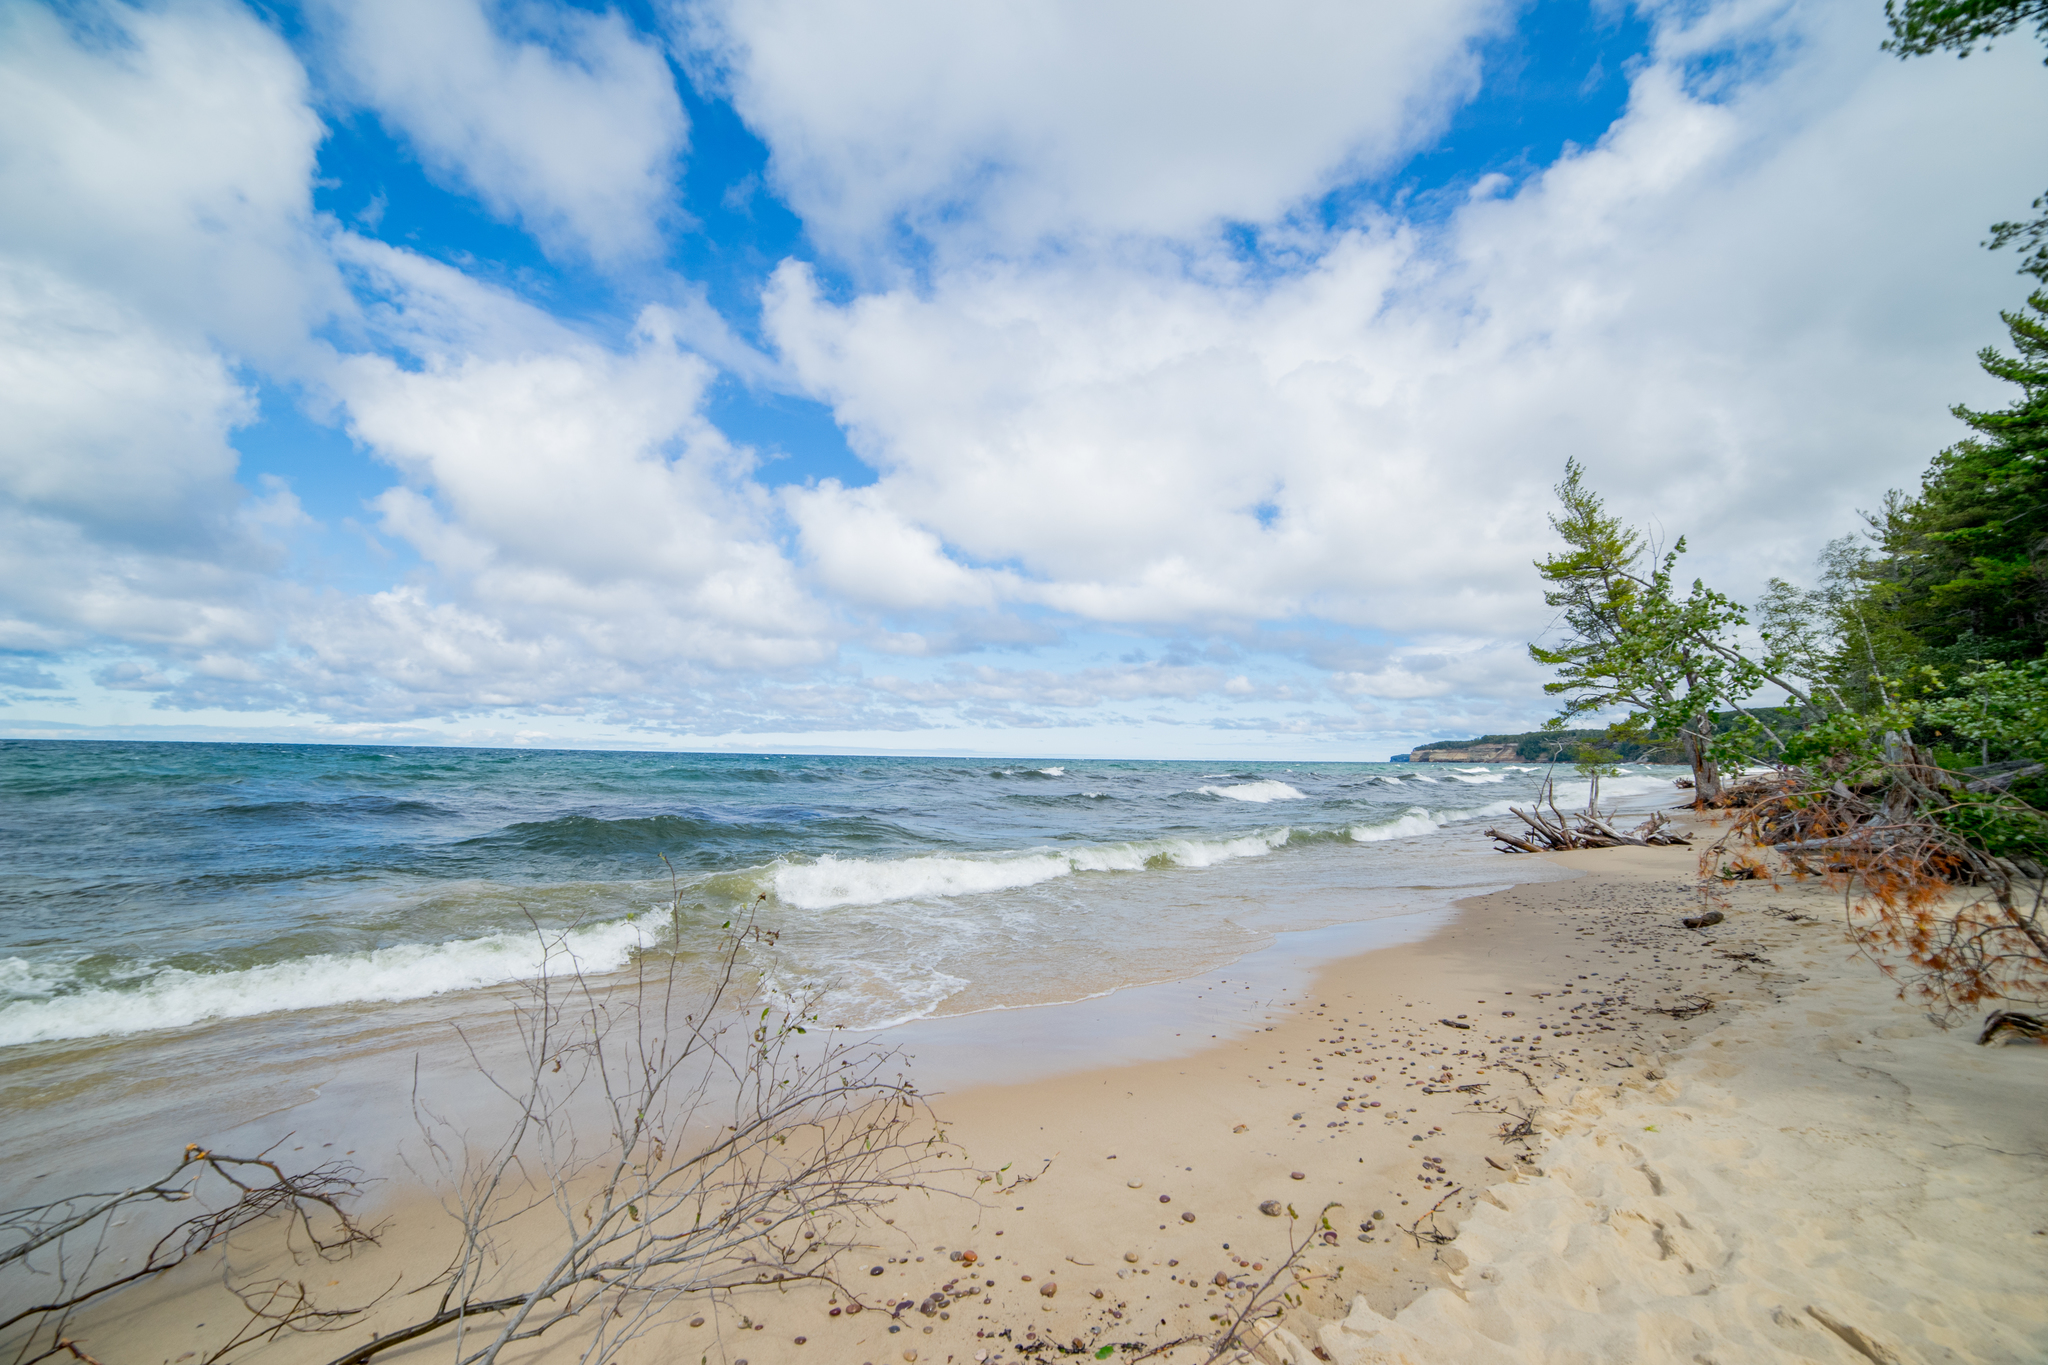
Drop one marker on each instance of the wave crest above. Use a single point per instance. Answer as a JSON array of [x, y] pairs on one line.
[[1260, 792]]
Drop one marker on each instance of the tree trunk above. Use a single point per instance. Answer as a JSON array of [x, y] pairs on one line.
[[1706, 775]]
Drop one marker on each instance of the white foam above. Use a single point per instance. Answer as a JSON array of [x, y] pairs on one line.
[[1260, 792], [1179, 852], [1416, 821], [175, 998], [1483, 776], [1472, 770], [1054, 772], [832, 881]]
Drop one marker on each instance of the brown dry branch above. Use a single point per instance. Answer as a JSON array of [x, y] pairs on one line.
[[664, 1145], [65, 1255], [1953, 922], [1431, 1233]]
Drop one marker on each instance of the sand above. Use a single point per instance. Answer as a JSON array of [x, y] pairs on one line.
[[1804, 1169]]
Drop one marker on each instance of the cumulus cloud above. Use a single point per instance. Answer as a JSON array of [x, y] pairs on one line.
[[1746, 309], [565, 121], [984, 125], [164, 155], [1123, 387]]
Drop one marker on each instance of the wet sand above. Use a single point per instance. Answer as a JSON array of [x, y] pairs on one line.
[[1804, 1169]]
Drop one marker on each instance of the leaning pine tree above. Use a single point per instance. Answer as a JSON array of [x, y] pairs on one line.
[[1631, 640]]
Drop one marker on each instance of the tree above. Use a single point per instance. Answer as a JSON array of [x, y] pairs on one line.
[[1631, 640], [1963, 571]]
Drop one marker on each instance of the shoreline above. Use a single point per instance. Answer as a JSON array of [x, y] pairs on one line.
[[1222, 1128]]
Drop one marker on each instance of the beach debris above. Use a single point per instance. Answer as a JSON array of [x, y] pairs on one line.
[[1270, 1207], [1453, 1023], [1742, 868], [2007, 1026], [1240, 1128], [1702, 921], [1585, 829], [1694, 1005], [1424, 1229]]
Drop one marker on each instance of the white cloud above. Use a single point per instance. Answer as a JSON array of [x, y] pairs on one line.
[[576, 499], [983, 124], [1747, 309], [164, 156], [1747, 313], [566, 121], [865, 554]]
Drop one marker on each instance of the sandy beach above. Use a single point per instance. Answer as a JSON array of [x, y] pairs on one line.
[[1739, 1146]]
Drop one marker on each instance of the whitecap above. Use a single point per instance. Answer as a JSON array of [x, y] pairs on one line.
[[176, 998], [1417, 820], [834, 881], [1259, 792]]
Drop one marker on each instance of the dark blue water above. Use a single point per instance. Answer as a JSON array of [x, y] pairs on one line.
[[148, 886]]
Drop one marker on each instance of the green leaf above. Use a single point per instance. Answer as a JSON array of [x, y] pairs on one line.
[[1105, 1353]]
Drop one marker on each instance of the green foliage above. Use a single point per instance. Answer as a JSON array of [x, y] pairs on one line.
[[2002, 707], [1922, 27], [1634, 638], [2001, 823], [1960, 578]]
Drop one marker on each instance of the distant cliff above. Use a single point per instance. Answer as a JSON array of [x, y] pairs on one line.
[[1544, 746], [1472, 752]]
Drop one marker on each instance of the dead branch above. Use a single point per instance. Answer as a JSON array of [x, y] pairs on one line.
[[1265, 1300], [1432, 1234], [1556, 833], [662, 1148], [67, 1244]]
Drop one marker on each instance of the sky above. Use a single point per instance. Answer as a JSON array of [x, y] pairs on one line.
[[1153, 379]]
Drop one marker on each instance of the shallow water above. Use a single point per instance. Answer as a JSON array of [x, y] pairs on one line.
[[208, 933]]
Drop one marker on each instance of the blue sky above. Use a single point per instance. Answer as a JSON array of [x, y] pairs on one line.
[[1076, 379]]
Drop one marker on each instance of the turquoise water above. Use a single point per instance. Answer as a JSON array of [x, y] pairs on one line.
[[152, 887]]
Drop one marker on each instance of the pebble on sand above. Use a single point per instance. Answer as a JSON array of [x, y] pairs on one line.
[[1270, 1207], [1048, 1289]]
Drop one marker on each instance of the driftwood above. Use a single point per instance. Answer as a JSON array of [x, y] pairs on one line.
[[1556, 832]]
